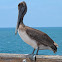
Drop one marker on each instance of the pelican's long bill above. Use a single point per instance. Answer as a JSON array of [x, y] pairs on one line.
[[16, 28], [18, 22], [22, 8]]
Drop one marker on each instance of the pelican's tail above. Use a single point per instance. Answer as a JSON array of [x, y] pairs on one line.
[[54, 48], [56, 44]]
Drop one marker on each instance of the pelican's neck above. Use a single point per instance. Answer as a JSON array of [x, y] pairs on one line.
[[21, 22]]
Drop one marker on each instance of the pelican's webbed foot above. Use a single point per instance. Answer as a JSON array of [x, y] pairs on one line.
[[32, 57]]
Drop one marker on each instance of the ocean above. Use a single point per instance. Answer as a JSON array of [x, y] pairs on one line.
[[11, 43]]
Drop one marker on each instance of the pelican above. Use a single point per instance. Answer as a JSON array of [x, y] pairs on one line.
[[36, 38]]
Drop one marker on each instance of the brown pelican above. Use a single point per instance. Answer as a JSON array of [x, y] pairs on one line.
[[37, 39]]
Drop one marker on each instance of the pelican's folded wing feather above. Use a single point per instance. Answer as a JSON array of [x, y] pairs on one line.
[[40, 37]]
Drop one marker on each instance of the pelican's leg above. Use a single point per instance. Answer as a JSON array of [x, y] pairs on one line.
[[37, 51], [33, 51], [33, 57]]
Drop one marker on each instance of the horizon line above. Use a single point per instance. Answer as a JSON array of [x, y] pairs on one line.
[[33, 27]]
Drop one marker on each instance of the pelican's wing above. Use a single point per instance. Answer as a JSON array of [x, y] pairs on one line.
[[40, 37]]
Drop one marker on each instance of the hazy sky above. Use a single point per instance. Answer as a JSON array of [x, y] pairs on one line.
[[40, 13]]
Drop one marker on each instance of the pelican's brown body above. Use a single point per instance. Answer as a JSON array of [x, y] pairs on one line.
[[33, 37]]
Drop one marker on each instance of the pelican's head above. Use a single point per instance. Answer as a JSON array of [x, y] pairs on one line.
[[22, 9]]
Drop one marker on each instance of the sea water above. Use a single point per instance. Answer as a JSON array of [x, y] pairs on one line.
[[11, 43]]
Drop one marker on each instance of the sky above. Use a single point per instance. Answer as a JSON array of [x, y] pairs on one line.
[[40, 13]]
